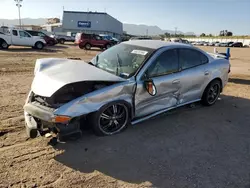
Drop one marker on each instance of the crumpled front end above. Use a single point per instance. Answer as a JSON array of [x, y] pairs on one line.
[[62, 111], [64, 91], [41, 118]]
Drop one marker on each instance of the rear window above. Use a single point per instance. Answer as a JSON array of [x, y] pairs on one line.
[[85, 36], [33, 33], [14, 32]]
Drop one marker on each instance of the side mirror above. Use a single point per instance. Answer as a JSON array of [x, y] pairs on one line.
[[150, 87]]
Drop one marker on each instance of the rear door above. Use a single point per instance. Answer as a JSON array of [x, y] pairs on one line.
[[164, 71], [15, 37], [195, 74]]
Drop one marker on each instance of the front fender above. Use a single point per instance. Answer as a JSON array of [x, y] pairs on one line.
[[93, 101]]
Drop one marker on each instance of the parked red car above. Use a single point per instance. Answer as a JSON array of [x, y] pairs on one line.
[[49, 40], [86, 41]]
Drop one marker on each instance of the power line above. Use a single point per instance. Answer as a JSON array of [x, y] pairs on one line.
[[18, 4]]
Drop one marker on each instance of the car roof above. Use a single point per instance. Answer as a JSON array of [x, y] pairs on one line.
[[154, 44]]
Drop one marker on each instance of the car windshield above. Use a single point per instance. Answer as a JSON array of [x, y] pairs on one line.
[[41, 34], [122, 60]]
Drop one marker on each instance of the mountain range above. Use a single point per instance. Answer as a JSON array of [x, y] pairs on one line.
[[132, 29], [141, 29]]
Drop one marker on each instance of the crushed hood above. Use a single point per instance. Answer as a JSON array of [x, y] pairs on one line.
[[53, 73]]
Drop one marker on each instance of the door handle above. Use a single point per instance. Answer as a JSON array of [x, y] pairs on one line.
[[206, 73], [176, 82]]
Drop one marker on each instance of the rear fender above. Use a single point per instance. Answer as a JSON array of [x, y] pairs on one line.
[[218, 70]]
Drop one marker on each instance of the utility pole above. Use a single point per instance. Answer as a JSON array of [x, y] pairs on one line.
[[175, 31], [18, 4]]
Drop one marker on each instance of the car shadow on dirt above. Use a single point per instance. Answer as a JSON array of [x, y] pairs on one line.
[[239, 81], [47, 50], [187, 147], [58, 46]]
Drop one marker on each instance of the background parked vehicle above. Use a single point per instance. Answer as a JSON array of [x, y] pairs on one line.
[[206, 44], [229, 43], [140, 38], [223, 44], [217, 44], [236, 44], [182, 41], [49, 40], [63, 38], [108, 37], [201, 43], [88, 41], [211, 43], [18, 37]]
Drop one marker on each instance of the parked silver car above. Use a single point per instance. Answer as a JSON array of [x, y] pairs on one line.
[[128, 83]]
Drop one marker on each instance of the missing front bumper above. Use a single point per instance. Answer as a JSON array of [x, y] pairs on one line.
[[39, 119]]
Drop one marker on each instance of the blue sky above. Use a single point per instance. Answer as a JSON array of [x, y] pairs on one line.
[[209, 16]]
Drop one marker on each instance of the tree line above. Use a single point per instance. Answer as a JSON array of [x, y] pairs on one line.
[[222, 33]]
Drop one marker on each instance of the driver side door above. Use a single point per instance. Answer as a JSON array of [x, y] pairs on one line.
[[98, 41], [24, 39], [164, 72]]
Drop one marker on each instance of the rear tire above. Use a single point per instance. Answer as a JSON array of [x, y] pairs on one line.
[[110, 119], [39, 45], [4, 45], [108, 46], [211, 93], [61, 41]]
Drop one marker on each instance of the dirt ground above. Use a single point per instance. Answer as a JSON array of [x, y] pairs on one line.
[[189, 147]]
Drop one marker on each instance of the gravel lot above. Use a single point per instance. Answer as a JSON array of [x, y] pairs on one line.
[[188, 147]]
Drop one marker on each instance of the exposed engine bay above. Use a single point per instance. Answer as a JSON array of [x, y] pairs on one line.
[[70, 92]]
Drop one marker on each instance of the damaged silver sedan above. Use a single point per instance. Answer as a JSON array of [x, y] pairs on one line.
[[128, 83]]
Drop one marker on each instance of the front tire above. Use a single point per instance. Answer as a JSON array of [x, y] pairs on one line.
[[211, 93], [4, 45], [39, 45], [110, 119]]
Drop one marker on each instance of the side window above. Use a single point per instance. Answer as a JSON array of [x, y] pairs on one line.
[[166, 63], [189, 58], [14, 32], [33, 33], [41, 34], [23, 34], [97, 37]]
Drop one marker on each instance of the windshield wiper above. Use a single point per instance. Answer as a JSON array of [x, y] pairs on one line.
[[118, 65]]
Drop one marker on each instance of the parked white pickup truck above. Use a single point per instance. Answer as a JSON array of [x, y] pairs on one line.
[[18, 37]]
